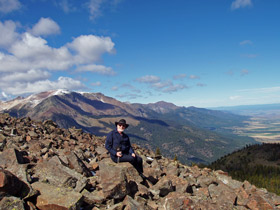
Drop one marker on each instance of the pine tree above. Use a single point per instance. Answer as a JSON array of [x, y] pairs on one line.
[[175, 157], [158, 153]]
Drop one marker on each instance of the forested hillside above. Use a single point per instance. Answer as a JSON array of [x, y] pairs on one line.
[[258, 164]]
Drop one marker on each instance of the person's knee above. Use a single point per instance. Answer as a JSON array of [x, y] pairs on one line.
[[127, 158]]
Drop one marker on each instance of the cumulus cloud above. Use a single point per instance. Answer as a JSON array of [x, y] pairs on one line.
[[19, 88], [240, 4], [8, 33], [89, 48], [33, 52], [29, 76], [7, 6], [45, 26], [27, 51], [27, 61]]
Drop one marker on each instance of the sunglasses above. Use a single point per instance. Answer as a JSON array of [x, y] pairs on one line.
[[121, 125]]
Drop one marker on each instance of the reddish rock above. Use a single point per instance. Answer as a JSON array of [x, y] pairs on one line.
[[12, 185], [178, 201], [77, 164], [163, 186], [222, 195], [169, 184], [130, 204], [118, 180], [58, 198], [258, 203]]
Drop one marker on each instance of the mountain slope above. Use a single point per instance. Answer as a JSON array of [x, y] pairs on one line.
[[193, 134], [259, 164]]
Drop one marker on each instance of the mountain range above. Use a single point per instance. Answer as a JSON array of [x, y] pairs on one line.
[[190, 133]]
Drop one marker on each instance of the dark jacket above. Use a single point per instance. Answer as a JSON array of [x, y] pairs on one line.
[[115, 140]]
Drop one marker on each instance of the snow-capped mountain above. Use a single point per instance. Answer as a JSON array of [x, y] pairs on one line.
[[188, 132]]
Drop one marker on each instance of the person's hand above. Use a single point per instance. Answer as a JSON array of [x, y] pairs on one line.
[[119, 154], [133, 155]]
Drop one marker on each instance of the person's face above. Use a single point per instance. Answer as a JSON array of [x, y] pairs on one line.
[[121, 127]]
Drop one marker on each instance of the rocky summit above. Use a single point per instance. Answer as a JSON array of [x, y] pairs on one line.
[[45, 167]]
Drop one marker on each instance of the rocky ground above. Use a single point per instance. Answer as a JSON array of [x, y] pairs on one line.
[[48, 168]]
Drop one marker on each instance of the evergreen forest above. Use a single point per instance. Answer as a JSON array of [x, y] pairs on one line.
[[259, 164]]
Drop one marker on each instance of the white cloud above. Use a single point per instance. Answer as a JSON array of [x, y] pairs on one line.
[[66, 6], [7, 6], [26, 61], [45, 26], [240, 4], [19, 88], [161, 86], [33, 52], [174, 88], [27, 51], [148, 79], [29, 76], [8, 33], [89, 48], [167, 87], [94, 7], [97, 69]]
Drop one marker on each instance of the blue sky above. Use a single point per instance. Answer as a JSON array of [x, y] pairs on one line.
[[189, 52]]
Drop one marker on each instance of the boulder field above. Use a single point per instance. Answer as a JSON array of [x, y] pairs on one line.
[[46, 167]]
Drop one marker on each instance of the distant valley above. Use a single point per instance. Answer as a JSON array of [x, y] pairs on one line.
[[263, 124], [190, 133]]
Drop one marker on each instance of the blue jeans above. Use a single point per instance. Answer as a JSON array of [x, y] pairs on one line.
[[136, 161]]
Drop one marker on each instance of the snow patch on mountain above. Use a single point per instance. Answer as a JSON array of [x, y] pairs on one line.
[[32, 100]]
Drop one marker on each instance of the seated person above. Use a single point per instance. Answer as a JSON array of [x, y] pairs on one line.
[[120, 149]]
